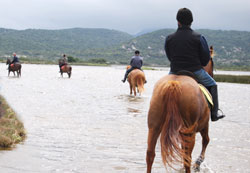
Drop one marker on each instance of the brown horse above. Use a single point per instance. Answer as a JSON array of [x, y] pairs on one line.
[[136, 79], [65, 68], [178, 110], [14, 67]]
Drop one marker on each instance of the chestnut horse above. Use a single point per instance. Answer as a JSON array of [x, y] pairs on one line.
[[14, 67], [178, 110], [65, 68], [136, 79]]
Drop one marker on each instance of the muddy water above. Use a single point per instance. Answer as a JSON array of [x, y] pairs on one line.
[[90, 124]]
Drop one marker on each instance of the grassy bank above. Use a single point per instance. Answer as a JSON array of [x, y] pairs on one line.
[[11, 128], [232, 78]]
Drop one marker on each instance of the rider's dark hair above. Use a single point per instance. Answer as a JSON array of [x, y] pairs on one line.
[[137, 52], [184, 16]]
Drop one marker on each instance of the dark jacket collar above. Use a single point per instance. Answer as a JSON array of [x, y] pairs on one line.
[[184, 27]]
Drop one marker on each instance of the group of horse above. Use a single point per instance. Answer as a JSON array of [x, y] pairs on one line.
[[178, 110], [16, 67]]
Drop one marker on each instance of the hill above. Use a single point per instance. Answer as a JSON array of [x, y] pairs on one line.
[[48, 44], [231, 47]]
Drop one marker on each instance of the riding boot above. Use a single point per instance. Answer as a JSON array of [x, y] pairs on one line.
[[214, 111], [125, 77]]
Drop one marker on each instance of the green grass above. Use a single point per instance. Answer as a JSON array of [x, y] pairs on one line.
[[11, 128], [232, 78], [148, 68]]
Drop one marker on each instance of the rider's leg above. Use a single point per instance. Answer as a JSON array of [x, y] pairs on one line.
[[126, 74], [206, 80]]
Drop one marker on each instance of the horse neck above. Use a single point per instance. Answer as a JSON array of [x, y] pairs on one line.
[[210, 67]]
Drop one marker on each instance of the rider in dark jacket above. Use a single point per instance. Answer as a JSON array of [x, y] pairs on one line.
[[15, 58], [188, 50], [136, 63]]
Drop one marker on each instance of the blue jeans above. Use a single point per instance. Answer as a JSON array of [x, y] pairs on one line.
[[203, 77]]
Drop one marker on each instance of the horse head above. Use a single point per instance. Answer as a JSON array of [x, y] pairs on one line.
[[8, 61], [128, 67], [209, 68]]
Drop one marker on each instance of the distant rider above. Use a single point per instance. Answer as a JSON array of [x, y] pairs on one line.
[[15, 59], [63, 61], [136, 63]]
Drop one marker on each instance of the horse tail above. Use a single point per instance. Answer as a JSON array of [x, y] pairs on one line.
[[172, 130], [140, 83]]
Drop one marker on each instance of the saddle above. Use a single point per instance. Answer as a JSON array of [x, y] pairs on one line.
[[63, 67], [207, 95], [204, 90], [13, 64]]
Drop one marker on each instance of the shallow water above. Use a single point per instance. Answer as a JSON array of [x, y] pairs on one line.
[[90, 123]]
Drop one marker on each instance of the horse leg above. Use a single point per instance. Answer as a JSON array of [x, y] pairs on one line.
[[134, 89], [205, 141], [130, 86], [153, 135], [188, 148]]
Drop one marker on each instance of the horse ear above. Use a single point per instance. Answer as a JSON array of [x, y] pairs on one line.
[[211, 50]]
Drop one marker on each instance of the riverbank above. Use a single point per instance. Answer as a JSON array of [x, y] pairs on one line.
[[243, 79], [50, 62], [232, 78], [11, 128]]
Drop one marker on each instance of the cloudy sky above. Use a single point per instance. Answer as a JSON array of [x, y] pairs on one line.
[[131, 16]]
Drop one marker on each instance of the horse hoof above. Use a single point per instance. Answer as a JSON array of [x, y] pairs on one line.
[[197, 168]]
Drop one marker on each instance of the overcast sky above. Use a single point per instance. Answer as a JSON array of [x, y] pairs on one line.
[[131, 16]]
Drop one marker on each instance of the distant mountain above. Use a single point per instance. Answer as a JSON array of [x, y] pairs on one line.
[[231, 47], [51, 43], [145, 31]]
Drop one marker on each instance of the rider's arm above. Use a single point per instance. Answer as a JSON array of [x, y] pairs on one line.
[[167, 49], [131, 61], [204, 51]]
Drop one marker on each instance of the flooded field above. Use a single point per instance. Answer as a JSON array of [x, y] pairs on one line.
[[90, 124]]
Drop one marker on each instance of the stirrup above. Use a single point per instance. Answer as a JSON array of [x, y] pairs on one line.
[[218, 116], [222, 115]]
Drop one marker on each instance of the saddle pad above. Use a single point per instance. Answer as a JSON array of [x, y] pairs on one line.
[[207, 95], [12, 65], [63, 67]]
